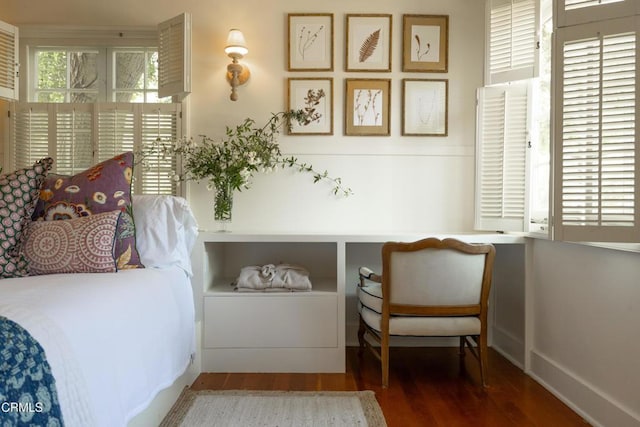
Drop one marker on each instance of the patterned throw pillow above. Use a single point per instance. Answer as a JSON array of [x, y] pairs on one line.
[[104, 187], [18, 195], [80, 245]]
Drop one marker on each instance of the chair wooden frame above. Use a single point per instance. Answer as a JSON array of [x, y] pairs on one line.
[[389, 310]]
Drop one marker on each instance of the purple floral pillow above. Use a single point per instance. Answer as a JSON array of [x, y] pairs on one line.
[[104, 187], [18, 196]]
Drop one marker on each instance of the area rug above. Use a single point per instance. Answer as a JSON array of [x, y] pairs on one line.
[[244, 408]]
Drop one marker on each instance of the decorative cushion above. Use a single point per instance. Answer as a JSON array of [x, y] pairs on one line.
[[79, 245], [18, 195], [104, 187]]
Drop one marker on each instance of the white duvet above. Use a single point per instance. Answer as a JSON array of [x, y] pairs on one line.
[[113, 340]]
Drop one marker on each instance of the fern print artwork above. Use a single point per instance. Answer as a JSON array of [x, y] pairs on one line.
[[368, 43], [369, 46]]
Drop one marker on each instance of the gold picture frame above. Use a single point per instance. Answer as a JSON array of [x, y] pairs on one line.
[[425, 107], [425, 43], [314, 95], [367, 107], [368, 42], [310, 42]]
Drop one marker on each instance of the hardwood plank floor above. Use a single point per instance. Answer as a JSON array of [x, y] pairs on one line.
[[427, 387]]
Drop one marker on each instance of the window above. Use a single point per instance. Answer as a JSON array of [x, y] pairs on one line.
[[512, 40], [512, 161], [92, 102], [597, 174], [93, 74]]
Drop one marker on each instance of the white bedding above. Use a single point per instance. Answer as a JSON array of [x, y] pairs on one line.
[[100, 380]]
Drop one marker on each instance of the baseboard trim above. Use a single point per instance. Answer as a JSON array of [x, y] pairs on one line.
[[508, 346], [595, 406]]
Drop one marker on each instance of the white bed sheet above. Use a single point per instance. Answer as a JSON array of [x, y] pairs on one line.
[[113, 340]]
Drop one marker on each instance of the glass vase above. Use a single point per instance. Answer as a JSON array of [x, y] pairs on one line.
[[223, 206]]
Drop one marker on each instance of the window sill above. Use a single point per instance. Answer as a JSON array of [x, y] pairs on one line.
[[624, 247]]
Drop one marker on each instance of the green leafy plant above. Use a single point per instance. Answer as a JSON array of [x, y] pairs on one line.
[[231, 163]]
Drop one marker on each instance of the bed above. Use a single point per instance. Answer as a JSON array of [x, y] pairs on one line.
[[114, 341]]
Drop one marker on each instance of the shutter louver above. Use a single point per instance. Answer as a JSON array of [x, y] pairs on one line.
[[116, 128], [8, 61], [30, 130], [174, 56], [74, 140], [157, 178], [595, 158], [512, 40], [502, 159]]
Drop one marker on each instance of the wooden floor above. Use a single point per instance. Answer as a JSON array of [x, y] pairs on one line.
[[428, 387]]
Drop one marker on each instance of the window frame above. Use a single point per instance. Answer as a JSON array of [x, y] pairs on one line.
[[584, 15], [105, 41]]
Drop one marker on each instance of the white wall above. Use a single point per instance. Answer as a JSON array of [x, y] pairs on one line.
[[400, 183], [585, 314]]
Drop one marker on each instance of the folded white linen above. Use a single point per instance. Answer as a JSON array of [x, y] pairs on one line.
[[272, 277]]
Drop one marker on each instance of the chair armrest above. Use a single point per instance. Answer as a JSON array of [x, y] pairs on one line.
[[367, 274]]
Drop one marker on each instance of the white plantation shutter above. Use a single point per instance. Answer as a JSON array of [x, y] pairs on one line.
[[159, 125], [116, 130], [80, 135], [174, 56], [8, 61], [512, 33], [502, 158], [73, 140], [596, 166], [31, 128], [572, 12]]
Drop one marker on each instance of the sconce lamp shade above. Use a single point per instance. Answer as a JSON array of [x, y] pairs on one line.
[[236, 45]]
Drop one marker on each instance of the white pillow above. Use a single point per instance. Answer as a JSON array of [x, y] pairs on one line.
[[166, 231]]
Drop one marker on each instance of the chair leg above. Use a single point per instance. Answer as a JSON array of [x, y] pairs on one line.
[[461, 353], [361, 332], [483, 358], [384, 360]]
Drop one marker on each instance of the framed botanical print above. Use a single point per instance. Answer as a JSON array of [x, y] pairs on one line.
[[315, 97], [310, 42], [425, 107], [367, 106], [368, 44], [425, 43]]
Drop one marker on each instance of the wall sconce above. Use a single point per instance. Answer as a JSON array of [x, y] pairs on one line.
[[237, 74]]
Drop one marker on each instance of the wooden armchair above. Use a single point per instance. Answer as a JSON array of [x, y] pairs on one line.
[[430, 287]]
